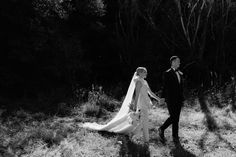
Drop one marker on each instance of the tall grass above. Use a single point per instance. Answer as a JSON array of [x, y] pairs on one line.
[[99, 103], [38, 134], [23, 132]]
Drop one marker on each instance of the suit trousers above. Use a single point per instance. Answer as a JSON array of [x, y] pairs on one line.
[[174, 112]]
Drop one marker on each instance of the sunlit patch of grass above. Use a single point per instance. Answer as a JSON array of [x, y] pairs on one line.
[[26, 134], [82, 143], [97, 143], [192, 119], [22, 137], [90, 109], [224, 118], [39, 135]]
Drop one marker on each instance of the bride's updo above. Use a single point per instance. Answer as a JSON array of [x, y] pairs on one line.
[[140, 70]]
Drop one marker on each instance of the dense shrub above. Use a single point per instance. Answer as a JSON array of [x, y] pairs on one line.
[[99, 103]]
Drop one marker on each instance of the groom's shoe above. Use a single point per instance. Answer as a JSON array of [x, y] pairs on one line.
[[161, 135], [176, 141]]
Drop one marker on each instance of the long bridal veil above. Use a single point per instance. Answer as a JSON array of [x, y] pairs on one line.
[[120, 122]]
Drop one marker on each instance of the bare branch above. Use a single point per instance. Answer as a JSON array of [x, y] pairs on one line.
[[198, 22], [182, 23]]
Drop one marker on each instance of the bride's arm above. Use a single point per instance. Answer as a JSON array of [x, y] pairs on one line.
[[138, 86], [153, 95]]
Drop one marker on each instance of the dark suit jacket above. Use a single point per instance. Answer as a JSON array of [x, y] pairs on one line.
[[172, 89]]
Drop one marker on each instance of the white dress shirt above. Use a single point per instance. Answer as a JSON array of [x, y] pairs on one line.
[[178, 75]]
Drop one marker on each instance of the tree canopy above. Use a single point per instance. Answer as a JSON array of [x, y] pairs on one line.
[[57, 44]]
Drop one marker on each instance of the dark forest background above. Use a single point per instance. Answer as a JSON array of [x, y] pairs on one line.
[[50, 49]]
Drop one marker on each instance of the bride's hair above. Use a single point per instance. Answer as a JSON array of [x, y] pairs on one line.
[[140, 70]]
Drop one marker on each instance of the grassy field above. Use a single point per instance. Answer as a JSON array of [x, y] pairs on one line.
[[202, 134]]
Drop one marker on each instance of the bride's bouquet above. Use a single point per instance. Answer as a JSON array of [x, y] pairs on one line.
[[134, 116], [132, 107]]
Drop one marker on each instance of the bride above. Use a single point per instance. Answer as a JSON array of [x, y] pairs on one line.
[[133, 114]]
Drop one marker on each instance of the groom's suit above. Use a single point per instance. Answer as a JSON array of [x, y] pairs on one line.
[[173, 94]]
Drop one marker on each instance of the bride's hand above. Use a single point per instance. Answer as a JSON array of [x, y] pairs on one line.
[[132, 106]]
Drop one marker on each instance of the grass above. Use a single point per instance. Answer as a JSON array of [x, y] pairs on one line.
[[203, 133], [59, 136]]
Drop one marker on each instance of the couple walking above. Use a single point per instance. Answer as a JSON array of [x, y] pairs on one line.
[[132, 117]]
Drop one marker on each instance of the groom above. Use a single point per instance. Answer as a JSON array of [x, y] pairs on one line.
[[173, 96]]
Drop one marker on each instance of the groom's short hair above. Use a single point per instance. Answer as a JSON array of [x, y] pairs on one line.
[[172, 58]]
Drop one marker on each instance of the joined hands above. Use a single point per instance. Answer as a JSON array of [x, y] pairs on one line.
[[160, 101]]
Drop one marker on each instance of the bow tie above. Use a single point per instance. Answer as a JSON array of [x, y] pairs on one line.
[[176, 70]]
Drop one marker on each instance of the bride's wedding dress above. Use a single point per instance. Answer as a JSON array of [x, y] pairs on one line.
[[127, 121]]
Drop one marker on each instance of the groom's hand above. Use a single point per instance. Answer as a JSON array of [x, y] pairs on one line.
[[154, 103]]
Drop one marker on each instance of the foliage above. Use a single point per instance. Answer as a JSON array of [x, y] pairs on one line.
[[53, 8], [218, 96], [92, 7], [99, 103], [53, 46], [62, 9], [91, 109], [23, 132]]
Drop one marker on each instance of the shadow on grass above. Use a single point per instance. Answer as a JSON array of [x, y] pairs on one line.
[[220, 138], [228, 144], [128, 148], [210, 121], [212, 126], [175, 151], [179, 151], [131, 149]]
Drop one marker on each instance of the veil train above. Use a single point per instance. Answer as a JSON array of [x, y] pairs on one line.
[[121, 122]]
